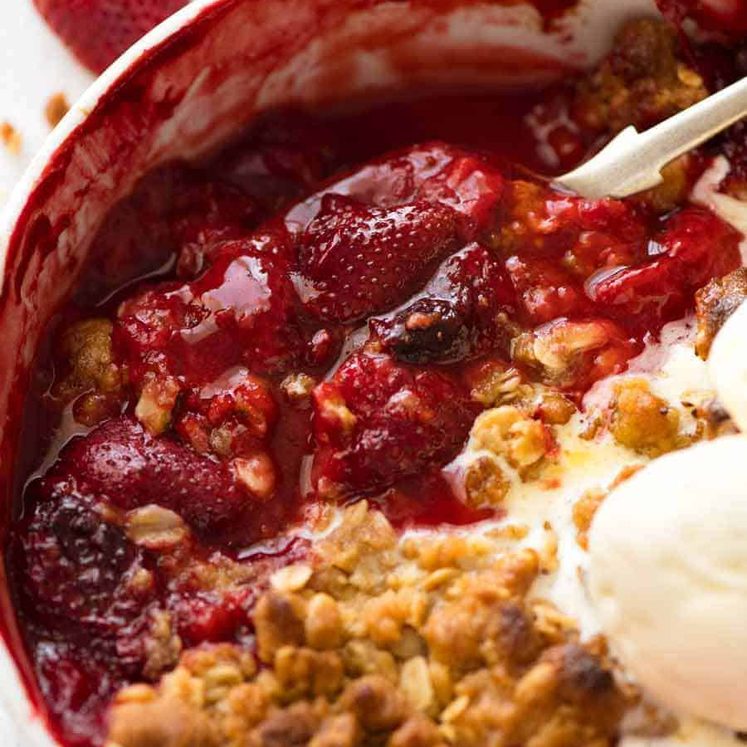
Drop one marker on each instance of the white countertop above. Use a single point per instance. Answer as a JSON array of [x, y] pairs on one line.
[[34, 65]]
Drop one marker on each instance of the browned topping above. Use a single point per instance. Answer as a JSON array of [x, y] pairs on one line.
[[10, 138], [93, 380], [641, 83], [57, 107], [484, 483], [156, 403], [426, 642], [556, 409], [715, 421], [498, 386], [297, 387], [557, 353], [279, 622], [161, 722], [257, 474], [644, 422], [162, 646], [715, 303], [672, 191], [155, 527]]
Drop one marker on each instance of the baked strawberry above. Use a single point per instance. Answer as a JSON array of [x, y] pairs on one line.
[[356, 260], [120, 464], [98, 31], [377, 421], [241, 311], [694, 247], [462, 312], [469, 185], [433, 172]]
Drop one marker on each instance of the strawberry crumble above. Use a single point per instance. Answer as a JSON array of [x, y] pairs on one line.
[[288, 433]]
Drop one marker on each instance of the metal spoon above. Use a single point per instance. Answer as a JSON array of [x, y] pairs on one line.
[[633, 161]]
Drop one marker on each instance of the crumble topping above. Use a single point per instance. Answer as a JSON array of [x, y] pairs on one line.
[[419, 641], [644, 422], [92, 379], [642, 82], [715, 303]]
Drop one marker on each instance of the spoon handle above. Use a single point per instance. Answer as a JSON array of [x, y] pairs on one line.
[[632, 162]]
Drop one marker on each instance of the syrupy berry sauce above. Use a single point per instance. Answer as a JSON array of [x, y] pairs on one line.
[[298, 322]]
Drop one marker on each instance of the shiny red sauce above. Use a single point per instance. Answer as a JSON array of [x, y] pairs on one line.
[[328, 256]]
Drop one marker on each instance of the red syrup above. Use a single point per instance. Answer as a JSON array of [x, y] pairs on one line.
[[389, 283], [405, 507]]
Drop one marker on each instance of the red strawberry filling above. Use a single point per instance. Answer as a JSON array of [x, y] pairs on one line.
[[693, 247], [241, 311], [124, 467], [377, 421], [308, 341]]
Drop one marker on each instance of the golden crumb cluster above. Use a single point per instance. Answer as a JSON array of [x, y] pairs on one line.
[[641, 82], [416, 642]]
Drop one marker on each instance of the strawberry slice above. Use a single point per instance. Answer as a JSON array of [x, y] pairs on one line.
[[434, 172], [120, 465], [357, 260], [98, 31], [377, 421], [694, 247]]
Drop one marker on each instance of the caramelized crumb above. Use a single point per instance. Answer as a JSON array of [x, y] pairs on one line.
[[278, 620], [640, 83], [714, 304], [507, 432], [556, 409], [56, 108], [91, 379], [484, 483], [642, 421]]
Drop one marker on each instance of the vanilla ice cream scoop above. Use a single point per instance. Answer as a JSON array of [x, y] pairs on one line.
[[727, 366], [668, 576]]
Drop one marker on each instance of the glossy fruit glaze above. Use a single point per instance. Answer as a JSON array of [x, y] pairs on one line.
[[305, 315]]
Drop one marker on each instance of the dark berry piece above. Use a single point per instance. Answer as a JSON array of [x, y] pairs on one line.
[[461, 313]]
